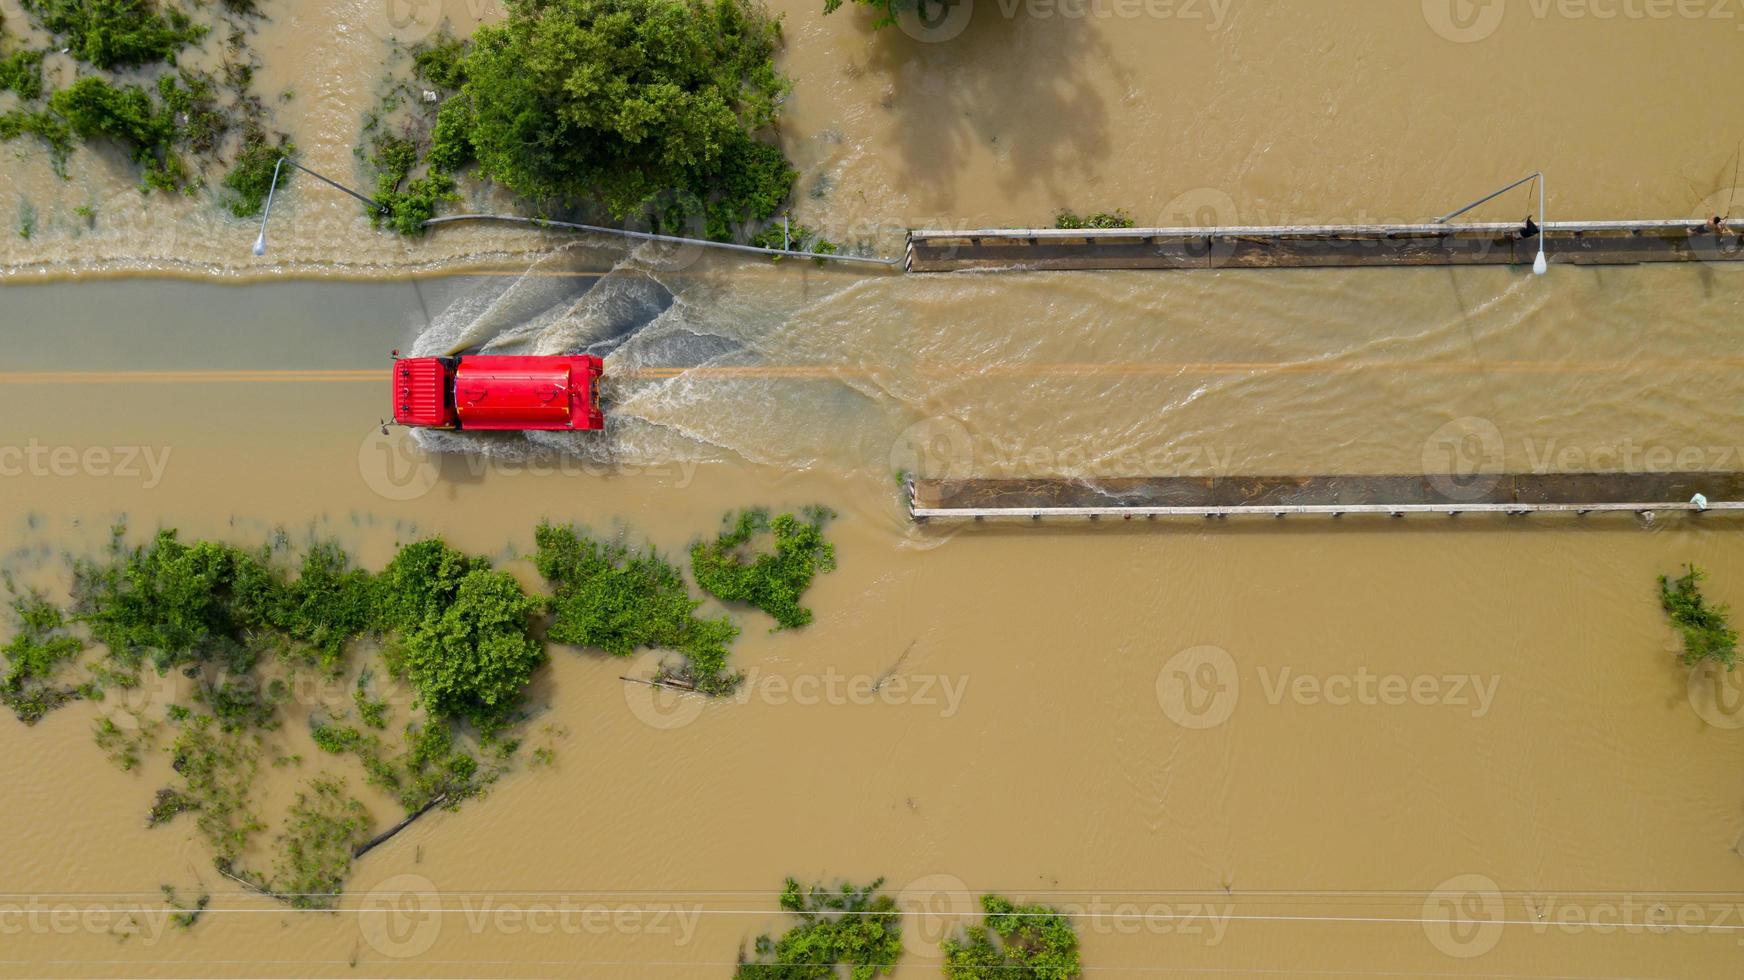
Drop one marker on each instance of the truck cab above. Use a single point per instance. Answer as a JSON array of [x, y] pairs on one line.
[[498, 392]]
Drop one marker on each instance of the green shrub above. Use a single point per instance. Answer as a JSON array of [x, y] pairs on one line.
[[1035, 943], [732, 569], [606, 597], [469, 652], [21, 72], [115, 33], [94, 108], [1707, 629], [441, 61], [853, 927]]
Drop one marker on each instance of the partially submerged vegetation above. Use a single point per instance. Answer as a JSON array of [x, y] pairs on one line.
[[1706, 628], [610, 598], [856, 927], [200, 648], [173, 121], [1016, 942], [766, 562], [1069, 220]]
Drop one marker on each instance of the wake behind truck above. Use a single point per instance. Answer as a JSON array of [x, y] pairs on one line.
[[498, 392]]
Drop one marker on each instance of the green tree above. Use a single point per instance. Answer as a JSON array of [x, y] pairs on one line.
[[634, 103], [474, 655]]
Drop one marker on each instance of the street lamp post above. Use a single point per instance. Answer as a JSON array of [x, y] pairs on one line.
[[260, 242], [1540, 264]]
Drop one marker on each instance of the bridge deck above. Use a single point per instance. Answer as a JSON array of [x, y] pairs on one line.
[[1188, 496], [1307, 246]]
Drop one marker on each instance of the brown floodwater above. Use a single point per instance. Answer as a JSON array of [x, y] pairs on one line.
[[1415, 747]]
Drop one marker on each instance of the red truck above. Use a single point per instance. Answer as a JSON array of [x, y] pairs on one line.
[[495, 392]]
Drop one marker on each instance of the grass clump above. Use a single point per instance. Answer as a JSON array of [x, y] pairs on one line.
[[1035, 942], [115, 33], [854, 927], [1118, 218], [126, 114], [41, 646], [1707, 629], [249, 179], [606, 597], [733, 568]]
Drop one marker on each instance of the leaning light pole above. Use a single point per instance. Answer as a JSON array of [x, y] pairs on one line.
[[1540, 264], [260, 241]]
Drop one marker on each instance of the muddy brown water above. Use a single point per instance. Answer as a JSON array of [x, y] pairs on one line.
[[1413, 747]]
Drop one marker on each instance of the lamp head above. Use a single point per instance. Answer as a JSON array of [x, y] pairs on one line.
[[1540, 265], [260, 244]]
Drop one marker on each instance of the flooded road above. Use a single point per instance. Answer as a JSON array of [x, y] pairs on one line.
[[1421, 746]]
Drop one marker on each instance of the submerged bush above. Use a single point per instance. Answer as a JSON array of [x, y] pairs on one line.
[[40, 647], [1707, 629], [21, 72], [853, 927], [94, 108], [1035, 943], [732, 569], [612, 599], [115, 33]]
